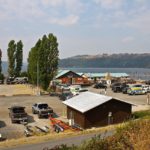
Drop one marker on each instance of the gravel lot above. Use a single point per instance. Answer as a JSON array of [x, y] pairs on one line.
[[10, 130]]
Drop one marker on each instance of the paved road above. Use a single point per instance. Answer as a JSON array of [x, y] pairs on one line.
[[76, 140]]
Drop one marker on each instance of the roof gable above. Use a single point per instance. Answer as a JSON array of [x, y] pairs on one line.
[[66, 72]]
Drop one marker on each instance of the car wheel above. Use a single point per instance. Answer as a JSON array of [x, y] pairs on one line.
[[57, 130]]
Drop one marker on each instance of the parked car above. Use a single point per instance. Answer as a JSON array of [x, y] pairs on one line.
[[146, 88], [125, 89], [100, 86], [74, 89], [65, 95], [148, 82], [42, 109], [136, 91], [1, 81], [9, 80], [118, 87], [18, 114]]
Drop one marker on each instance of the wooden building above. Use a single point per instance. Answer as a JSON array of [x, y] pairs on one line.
[[71, 78], [90, 110]]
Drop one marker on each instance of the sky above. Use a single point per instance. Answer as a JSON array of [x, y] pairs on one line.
[[81, 26]]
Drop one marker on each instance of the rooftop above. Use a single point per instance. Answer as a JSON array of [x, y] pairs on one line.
[[92, 75], [88, 100]]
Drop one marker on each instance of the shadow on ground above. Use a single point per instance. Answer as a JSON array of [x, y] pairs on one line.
[[2, 124], [30, 119]]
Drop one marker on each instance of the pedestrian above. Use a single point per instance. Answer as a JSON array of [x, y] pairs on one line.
[[148, 100]]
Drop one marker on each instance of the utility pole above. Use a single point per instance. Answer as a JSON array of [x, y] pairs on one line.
[[38, 89]]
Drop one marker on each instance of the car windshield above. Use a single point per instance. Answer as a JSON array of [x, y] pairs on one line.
[[18, 110], [41, 106]]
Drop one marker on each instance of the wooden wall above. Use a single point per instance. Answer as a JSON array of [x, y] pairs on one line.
[[98, 116]]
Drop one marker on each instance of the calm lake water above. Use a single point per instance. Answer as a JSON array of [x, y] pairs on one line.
[[136, 73]]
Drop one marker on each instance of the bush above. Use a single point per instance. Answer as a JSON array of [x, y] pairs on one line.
[[142, 114], [2, 77], [134, 135], [24, 74]]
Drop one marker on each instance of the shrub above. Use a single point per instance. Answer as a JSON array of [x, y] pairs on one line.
[[2, 76], [135, 135], [142, 114]]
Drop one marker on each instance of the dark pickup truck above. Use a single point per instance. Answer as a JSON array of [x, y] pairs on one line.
[[42, 109], [18, 114]]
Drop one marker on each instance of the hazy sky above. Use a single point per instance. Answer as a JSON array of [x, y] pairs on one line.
[[81, 26]]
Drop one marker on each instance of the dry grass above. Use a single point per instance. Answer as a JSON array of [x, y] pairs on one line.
[[22, 89], [52, 136]]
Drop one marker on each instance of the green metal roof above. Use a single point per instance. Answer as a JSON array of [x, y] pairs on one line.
[[119, 74], [96, 75], [61, 72], [92, 75]]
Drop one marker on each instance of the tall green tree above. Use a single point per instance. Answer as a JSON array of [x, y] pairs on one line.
[[43, 57], [32, 62], [19, 58], [1, 75], [11, 57], [0, 61]]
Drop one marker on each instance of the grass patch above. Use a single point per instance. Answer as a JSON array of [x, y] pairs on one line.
[[142, 114]]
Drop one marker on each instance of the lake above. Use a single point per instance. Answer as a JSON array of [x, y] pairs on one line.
[[136, 73]]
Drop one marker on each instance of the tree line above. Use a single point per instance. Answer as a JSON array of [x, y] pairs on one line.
[[42, 60], [107, 61]]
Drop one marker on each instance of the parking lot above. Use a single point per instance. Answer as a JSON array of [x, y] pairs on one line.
[[10, 130]]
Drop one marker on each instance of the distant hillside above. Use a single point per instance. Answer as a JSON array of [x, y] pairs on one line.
[[5, 67], [108, 61]]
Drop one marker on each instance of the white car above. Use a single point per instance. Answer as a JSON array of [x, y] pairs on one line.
[[146, 88]]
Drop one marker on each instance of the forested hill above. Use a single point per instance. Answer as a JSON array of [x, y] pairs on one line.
[[106, 60]]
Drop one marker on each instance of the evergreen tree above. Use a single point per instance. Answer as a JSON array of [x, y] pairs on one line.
[[11, 57], [44, 58], [19, 58], [0, 61], [32, 63], [1, 75]]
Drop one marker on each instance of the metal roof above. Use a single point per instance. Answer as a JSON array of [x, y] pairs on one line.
[[91, 75], [94, 75], [61, 72], [88, 100], [119, 74]]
